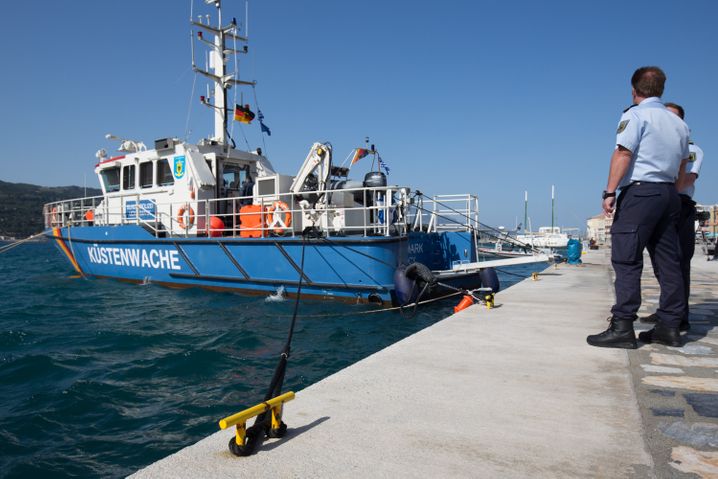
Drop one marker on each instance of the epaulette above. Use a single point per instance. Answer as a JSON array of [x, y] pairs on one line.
[[624, 111]]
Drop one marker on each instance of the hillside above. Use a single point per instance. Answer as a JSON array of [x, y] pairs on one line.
[[21, 205]]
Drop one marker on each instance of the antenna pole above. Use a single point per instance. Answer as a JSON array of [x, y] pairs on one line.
[[216, 71]]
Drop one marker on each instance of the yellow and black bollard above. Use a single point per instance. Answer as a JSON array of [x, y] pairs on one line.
[[243, 443], [489, 300]]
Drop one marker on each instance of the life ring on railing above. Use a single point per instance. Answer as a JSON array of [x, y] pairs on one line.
[[189, 212], [281, 217]]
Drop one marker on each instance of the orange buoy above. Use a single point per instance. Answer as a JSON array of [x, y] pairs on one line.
[[90, 215], [465, 302], [216, 225]]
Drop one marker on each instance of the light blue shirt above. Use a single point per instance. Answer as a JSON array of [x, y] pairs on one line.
[[657, 139], [695, 161]]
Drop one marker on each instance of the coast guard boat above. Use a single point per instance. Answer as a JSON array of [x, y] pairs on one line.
[[214, 216]]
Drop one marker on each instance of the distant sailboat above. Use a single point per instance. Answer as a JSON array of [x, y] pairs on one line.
[[547, 236]]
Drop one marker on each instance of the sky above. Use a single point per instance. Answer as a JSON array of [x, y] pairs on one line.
[[487, 97]]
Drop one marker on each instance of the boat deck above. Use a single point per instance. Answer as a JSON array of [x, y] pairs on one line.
[[510, 392]]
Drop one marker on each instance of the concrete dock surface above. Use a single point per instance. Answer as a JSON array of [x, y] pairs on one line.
[[510, 392]]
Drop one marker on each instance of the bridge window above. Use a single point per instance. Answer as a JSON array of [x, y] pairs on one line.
[[234, 176], [146, 174], [164, 173], [111, 179], [128, 177]]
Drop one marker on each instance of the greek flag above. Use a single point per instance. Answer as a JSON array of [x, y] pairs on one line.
[[382, 164], [265, 128]]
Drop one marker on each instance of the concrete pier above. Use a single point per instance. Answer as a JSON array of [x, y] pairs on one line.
[[510, 392]]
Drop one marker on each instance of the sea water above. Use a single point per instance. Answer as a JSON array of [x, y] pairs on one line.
[[99, 378]]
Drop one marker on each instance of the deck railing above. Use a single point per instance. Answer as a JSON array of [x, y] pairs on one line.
[[367, 211]]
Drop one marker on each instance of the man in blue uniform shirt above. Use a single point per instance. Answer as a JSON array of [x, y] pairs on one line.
[[686, 222], [651, 146]]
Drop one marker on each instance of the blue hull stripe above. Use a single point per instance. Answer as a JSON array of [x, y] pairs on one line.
[[295, 265], [184, 257], [234, 261]]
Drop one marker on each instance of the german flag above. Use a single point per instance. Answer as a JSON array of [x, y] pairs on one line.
[[359, 153], [243, 114]]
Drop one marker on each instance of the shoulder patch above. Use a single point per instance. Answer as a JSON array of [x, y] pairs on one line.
[[624, 111], [622, 126], [692, 157]]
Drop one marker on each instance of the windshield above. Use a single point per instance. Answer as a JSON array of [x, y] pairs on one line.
[[111, 179]]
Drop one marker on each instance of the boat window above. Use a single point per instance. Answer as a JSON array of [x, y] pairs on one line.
[[164, 173], [111, 179], [233, 176], [128, 177], [146, 174]]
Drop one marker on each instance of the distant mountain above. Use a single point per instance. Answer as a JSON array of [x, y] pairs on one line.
[[21, 205]]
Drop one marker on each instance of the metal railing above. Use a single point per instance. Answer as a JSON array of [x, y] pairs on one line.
[[367, 211], [446, 213]]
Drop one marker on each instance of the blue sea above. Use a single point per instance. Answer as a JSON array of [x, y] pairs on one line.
[[99, 378]]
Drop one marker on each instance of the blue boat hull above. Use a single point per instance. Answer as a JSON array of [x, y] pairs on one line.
[[352, 269]]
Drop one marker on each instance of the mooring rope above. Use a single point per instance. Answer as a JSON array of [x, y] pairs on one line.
[[377, 311], [14, 244], [263, 423]]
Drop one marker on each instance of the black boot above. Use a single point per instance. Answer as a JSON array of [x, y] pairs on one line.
[[618, 335], [662, 335], [685, 325], [652, 319]]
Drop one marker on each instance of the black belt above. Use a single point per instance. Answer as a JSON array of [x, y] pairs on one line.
[[652, 183]]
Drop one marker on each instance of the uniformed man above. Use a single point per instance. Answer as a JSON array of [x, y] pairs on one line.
[[686, 222], [651, 145]]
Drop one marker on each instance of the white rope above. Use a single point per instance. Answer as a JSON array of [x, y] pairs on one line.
[[375, 311], [17, 243]]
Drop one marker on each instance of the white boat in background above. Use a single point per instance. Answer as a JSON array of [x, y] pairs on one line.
[[547, 237]]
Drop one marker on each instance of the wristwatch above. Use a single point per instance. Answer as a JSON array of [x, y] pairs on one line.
[[606, 194]]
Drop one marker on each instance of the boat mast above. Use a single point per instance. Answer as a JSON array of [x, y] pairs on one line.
[[218, 62], [526, 210], [553, 204]]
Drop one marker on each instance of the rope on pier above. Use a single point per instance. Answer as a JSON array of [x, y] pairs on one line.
[[263, 424]]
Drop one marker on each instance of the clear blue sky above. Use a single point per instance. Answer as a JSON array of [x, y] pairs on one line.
[[487, 97]]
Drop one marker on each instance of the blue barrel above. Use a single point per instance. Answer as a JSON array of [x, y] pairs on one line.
[[573, 251]]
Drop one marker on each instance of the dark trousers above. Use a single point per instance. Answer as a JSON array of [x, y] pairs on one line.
[[647, 215], [687, 240]]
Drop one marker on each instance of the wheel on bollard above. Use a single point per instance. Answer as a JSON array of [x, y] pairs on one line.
[[238, 450], [253, 440], [278, 432]]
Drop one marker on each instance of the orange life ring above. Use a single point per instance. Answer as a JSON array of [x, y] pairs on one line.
[[280, 216], [190, 217]]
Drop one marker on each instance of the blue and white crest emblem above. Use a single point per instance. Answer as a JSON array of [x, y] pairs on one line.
[[179, 167]]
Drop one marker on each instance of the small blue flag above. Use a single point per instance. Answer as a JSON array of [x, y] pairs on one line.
[[383, 165], [264, 128]]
